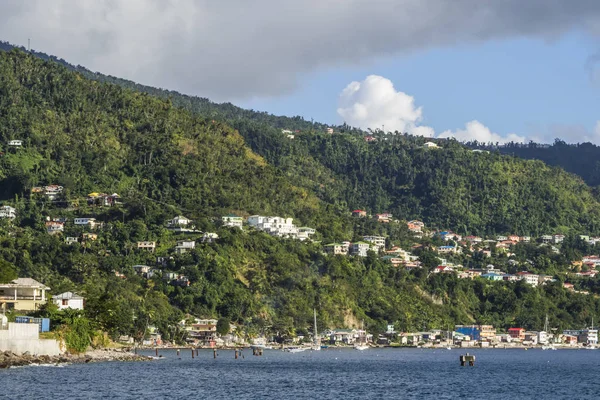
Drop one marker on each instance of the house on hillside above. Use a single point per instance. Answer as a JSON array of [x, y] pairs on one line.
[[336, 249], [377, 241], [359, 249], [415, 226], [178, 221], [15, 143], [184, 246], [53, 227], [8, 212], [384, 218], [23, 294], [431, 145], [89, 222], [87, 236], [233, 221], [209, 237], [71, 240], [148, 246], [69, 300], [359, 213]]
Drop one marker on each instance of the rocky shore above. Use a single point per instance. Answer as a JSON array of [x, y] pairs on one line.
[[9, 359]]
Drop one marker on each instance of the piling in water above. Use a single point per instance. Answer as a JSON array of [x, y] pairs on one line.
[[467, 358]]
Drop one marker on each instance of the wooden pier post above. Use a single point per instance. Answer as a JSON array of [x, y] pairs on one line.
[[196, 352], [192, 353], [178, 352], [236, 354], [214, 353], [156, 351]]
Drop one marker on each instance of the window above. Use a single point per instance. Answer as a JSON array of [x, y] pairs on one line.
[[65, 302]]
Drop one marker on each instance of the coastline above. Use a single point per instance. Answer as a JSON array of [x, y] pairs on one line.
[[9, 359]]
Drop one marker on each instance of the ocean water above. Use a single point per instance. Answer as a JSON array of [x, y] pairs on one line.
[[326, 374]]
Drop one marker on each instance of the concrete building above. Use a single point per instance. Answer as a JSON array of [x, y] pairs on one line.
[[149, 246], [22, 338], [233, 221], [183, 246], [8, 212], [336, 249], [69, 300], [23, 294], [377, 241]]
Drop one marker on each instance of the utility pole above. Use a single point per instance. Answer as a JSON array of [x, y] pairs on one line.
[[29, 44]]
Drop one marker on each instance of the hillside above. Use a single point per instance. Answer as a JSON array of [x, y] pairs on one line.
[[163, 161], [452, 188]]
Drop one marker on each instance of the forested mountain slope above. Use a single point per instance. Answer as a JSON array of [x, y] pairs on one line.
[[164, 161]]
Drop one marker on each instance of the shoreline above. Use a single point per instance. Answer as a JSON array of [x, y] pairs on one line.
[[9, 359]]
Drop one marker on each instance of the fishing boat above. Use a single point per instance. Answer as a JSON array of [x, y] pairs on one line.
[[316, 346], [363, 345]]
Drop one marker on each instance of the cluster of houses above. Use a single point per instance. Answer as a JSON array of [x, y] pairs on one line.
[[279, 227], [27, 294], [51, 192]]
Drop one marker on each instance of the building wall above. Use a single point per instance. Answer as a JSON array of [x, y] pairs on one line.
[[21, 338]]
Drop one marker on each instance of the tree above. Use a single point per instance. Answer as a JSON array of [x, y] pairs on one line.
[[8, 271], [223, 326]]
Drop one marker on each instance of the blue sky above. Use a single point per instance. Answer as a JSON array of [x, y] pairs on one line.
[[532, 87]]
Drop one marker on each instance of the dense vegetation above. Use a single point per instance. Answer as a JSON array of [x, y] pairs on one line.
[[164, 160]]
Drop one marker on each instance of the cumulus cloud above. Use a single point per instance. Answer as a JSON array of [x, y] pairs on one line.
[[375, 104], [475, 130], [234, 49]]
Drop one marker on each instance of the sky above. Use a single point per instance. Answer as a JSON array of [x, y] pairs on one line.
[[495, 70]]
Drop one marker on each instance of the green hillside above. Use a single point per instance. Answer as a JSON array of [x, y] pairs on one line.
[[163, 160]]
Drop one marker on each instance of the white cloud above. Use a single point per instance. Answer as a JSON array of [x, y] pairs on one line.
[[475, 130], [374, 103], [234, 49]]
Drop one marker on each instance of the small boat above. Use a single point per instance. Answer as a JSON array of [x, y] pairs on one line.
[[324, 347], [448, 348], [295, 349], [550, 347], [361, 347]]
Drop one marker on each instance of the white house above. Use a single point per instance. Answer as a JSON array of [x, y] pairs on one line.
[[431, 145], [8, 212], [360, 249], [183, 246], [15, 143], [232, 220], [378, 241], [179, 221], [281, 227], [53, 227], [71, 240], [69, 300], [209, 237], [91, 222]]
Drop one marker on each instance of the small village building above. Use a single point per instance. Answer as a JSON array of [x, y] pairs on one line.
[[89, 222], [8, 212], [69, 300], [430, 145], [179, 221], [233, 221], [87, 236], [415, 226], [148, 246], [359, 249], [184, 246], [517, 333], [53, 227], [384, 218], [359, 213], [528, 277], [492, 276], [71, 240], [377, 241], [15, 143], [200, 331], [329, 131], [336, 249], [304, 233], [209, 237], [23, 294]]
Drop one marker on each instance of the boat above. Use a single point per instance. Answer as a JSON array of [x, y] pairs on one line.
[[363, 345], [316, 346], [448, 348], [295, 349], [549, 347]]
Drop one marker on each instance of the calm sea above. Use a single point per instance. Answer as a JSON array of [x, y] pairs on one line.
[[327, 374]]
